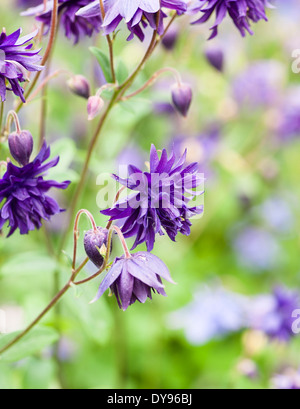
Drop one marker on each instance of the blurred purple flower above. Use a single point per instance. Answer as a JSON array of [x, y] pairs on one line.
[[242, 13], [259, 84], [137, 14], [25, 192], [131, 155], [28, 3], [256, 249], [16, 58], [201, 149], [164, 108], [160, 199], [278, 214], [289, 379], [75, 26], [213, 314], [289, 116], [272, 314], [133, 279]]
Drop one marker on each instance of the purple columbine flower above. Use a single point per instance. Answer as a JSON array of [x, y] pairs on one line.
[[75, 26], [24, 189], [160, 199], [16, 59], [135, 278], [242, 12], [137, 14]]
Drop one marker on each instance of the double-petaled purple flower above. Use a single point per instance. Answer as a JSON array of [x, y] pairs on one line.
[[16, 59], [135, 278], [75, 26], [24, 189], [137, 14], [161, 198], [242, 12]]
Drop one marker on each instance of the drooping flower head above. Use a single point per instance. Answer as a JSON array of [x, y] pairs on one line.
[[161, 198], [137, 14], [24, 189], [75, 26], [135, 278], [16, 59], [242, 13]]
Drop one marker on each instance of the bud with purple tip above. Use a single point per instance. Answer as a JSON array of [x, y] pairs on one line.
[[94, 106], [170, 39], [93, 243], [21, 146], [182, 96], [80, 86], [215, 57]]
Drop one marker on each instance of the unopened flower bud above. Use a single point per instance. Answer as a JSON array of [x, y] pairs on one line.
[[94, 106], [94, 243], [182, 96], [170, 38], [80, 86], [215, 57], [21, 146]]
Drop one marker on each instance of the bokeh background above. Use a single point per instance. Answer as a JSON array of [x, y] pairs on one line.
[[227, 323]]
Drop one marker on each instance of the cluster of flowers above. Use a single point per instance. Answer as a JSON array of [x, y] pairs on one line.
[[160, 198], [83, 17], [159, 203]]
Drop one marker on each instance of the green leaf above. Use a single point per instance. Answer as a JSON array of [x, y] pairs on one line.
[[28, 263], [104, 63], [33, 342]]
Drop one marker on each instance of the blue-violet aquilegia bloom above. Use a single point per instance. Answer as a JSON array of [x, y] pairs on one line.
[[135, 278], [16, 58], [137, 14], [24, 189], [160, 199]]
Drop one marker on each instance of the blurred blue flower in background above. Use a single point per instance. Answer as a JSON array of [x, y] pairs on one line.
[[213, 314], [277, 213], [256, 249]]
